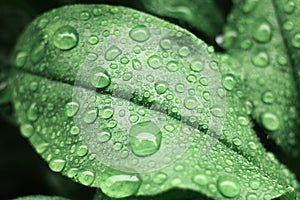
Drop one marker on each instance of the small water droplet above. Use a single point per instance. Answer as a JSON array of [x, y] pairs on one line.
[[120, 185], [262, 31], [172, 66], [268, 97], [254, 184], [93, 40], [136, 64], [249, 5], [159, 178], [86, 177], [200, 179], [84, 16], [296, 40], [27, 130], [74, 130], [104, 135], [217, 111], [251, 196], [140, 33], [145, 138], [38, 51], [21, 58], [112, 53], [65, 37], [190, 103], [90, 116], [82, 150], [228, 186], [57, 165], [100, 78], [237, 141], [107, 112], [184, 51], [165, 43], [32, 113], [229, 81], [261, 59], [71, 109], [289, 7], [270, 121], [196, 65], [155, 61], [161, 87]]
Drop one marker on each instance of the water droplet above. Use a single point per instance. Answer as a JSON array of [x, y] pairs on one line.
[[82, 150], [57, 165], [133, 118], [200, 179], [90, 116], [184, 51], [165, 43], [107, 112], [84, 16], [161, 87], [136, 64], [262, 31], [296, 40], [159, 178], [228, 186], [112, 53], [71, 109], [196, 65], [65, 38], [32, 113], [172, 66], [120, 185], [86, 177], [93, 39], [268, 97], [140, 33], [254, 184], [27, 130], [261, 59], [104, 135], [251, 196], [288, 25], [217, 111], [249, 5], [38, 51], [155, 61], [190, 103], [237, 141], [270, 121], [74, 130], [145, 138], [289, 7], [229, 81], [21, 58], [100, 78]]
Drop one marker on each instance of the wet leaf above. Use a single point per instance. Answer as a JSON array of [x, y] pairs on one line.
[[123, 101]]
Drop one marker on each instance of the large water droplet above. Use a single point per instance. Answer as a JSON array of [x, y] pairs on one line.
[[27, 130], [112, 53], [65, 37], [289, 7], [229, 81], [90, 116], [196, 65], [104, 135], [140, 33], [270, 121], [72, 108], [100, 78], [57, 165], [145, 138], [155, 61], [86, 177], [161, 87], [120, 185], [262, 31], [107, 112], [228, 186]]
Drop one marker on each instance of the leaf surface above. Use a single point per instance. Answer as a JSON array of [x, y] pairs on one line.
[[120, 100]]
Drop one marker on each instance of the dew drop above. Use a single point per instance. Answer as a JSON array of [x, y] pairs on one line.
[[136, 64], [93, 40], [268, 97], [71, 109], [237, 141], [296, 40], [100, 78], [86, 177], [32, 113], [84, 16], [74, 130], [190, 103], [82, 150], [104, 135], [262, 31], [229, 81], [270, 121], [120, 185], [172, 66], [165, 43], [289, 7], [21, 58], [155, 61], [228, 186], [200, 179], [251, 196], [159, 178], [112, 53], [65, 38], [57, 165], [254, 184], [196, 65], [139, 33], [261, 59], [161, 87], [27, 130], [38, 51], [107, 112], [217, 111], [184, 51], [145, 138], [90, 116]]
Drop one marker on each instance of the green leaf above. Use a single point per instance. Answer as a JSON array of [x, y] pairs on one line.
[[204, 16], [120, 100], [41, 197], [254, 37]]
